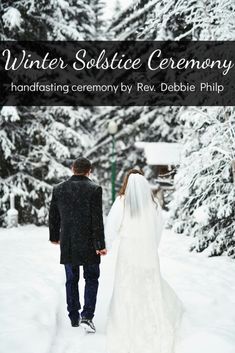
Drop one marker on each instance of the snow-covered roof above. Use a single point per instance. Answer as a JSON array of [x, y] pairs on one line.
[[161, 153]]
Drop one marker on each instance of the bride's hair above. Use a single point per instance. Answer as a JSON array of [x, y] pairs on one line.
[[124, 185]]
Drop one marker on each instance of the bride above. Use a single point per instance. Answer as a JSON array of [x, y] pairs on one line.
[[144, 310]]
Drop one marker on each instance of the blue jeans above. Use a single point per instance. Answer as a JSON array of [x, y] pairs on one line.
[[91, 275]]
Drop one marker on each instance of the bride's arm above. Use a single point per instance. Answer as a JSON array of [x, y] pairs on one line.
[[114, 221]]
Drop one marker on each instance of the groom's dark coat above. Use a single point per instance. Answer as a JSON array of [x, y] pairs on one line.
[[76, 219]]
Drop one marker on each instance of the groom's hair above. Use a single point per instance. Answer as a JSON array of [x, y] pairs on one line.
[[81, 166]]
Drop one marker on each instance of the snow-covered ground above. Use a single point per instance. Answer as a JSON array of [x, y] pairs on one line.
[[33, 316]]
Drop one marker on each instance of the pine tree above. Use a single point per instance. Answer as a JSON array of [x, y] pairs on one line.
[[97, 7], [132, 20], [148, 124], [48, 20], [37, 143], [22, 20], [204, 201], [36, 151], [203, 205], [206, 20], [134, 124]]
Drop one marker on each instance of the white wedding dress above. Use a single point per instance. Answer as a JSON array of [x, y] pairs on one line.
[[144, 310]]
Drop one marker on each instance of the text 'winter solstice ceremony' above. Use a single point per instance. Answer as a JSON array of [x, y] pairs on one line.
[[117, 73]]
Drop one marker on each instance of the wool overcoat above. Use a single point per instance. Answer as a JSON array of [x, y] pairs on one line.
[[76, 219]]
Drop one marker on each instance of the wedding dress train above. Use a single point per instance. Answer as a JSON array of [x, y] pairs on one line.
[[144, 310]]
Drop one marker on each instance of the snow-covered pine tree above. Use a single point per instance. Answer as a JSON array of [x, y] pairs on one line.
[[2, 36], [126, 155], [22, 20], [135, 123], [204, 200], [38, 142], [70, 19], [206, 20], [48, 20], [129, 22], [203, 205], [149, 20], [98, 7], [36, 149]]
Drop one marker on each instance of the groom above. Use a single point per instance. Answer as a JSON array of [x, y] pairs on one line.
[[76, 223]]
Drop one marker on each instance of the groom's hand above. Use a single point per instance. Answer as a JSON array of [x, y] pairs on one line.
[[55, 242], [102, 252]]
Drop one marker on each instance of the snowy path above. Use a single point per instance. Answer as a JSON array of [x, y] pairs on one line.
[[32, 298]]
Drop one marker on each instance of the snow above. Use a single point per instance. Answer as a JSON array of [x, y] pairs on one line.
[[201, 215], [110, 6], [10, 113], [161, 153], [12, 18], [32, 298]]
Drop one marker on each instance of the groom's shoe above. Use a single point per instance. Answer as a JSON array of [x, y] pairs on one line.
[[88, 325], [75, 323]]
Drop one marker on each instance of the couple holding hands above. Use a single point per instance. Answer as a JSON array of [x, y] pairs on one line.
[[144, 310]]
